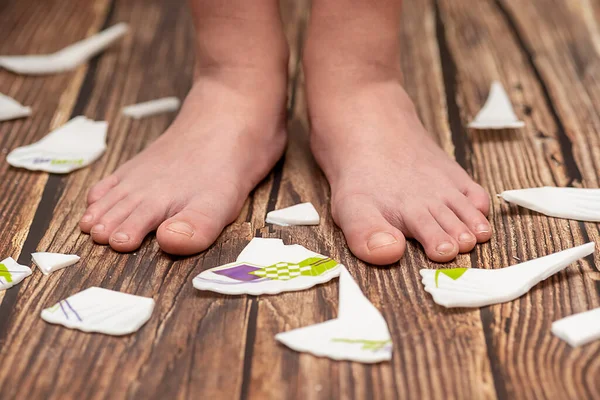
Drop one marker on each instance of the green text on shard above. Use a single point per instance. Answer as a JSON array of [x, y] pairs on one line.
[[4, 273], [453, 273], [373, 345]]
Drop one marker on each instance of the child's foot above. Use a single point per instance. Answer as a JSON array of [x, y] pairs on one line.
[[389, 180], [193, 181]]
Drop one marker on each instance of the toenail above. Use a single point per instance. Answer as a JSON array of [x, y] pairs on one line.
[[120, 237], [98, 228], [87, 218], [482, 228], [465, 237], [445, 248], [182, 228], [381, 239]]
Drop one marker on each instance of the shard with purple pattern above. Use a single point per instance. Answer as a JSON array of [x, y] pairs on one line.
[[239, 272]]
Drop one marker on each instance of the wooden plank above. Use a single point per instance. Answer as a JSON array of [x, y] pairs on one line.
[[27, 28], [527, 361], [195, 343], [425, 364]]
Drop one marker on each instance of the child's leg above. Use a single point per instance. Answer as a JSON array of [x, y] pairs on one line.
[[388, 177], [194, 179]]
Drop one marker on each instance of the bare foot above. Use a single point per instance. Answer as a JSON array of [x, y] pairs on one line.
[[192, 181], [389, 179]]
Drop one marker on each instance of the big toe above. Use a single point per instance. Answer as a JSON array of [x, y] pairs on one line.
[[369, 235], [190, 231]]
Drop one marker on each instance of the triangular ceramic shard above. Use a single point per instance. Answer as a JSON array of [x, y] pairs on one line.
[[12, 109], [497, 112], [267, 266], [75, 145], [474, 287], [66, 59], [152, 107], [12, 273], [578, 329], [300, 214], [101, 310], [50, 262], [571, 203], [359, 333]]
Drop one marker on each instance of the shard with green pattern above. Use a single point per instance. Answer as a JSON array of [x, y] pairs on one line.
[[285, 271], [5, 273], [452, 273]]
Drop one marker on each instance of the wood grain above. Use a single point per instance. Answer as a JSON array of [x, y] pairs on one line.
[[520, 346], [205, 345], [29, 29]]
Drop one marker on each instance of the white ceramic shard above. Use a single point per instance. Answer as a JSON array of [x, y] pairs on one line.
[[570, 203], [359, 333], [101, 310], [152, 107], [12, 273], [50, 262], [12, 109], [300, 214], [497, 112], [66, 59], [474, 287], [76, 144], [267, 266], [578, 329]]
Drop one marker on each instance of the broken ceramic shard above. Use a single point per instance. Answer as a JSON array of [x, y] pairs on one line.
[[473, 287], [66, 59], [359, 333], [12, 273], [571, 203], [75, 145], [300, 214], [12, 109], [267, 266], [497, 112], [101, 310], [50, 262], [153, 107], [578, 329]]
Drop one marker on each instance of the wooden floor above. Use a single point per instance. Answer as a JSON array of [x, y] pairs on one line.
[[204, 345]]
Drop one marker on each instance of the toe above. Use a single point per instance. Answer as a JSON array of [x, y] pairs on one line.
[[454, 227], [369, 235], [471, 216], [439, 245], [106, 225], [100, 189], [190, 231], [479, 198], [144, 219], [96, 211]]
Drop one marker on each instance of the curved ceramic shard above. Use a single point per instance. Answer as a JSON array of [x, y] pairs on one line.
[[473, 287], [152, 107], [569, 203], [50, 262], [300, 214], [101, 310], [578, 329], [75, 145], [12, 109], [497, 112], [359, 333], [12, 273], [66, 59], [267, 266]]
